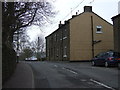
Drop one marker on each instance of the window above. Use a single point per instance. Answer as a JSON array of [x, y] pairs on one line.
[[51, 52], [61, 35], [99, 29], [65, 30], [64, 37], [65, 34], [57, 52], [100, 54], [55, 37], [65, 52]]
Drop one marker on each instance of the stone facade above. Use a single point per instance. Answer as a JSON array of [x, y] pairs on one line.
[[57, 43], [80, 38], [116, 26]]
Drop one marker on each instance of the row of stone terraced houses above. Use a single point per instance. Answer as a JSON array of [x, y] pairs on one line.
[[80, 38], [116, 28]]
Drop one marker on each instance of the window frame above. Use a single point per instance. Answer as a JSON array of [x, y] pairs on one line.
[[100, 29]]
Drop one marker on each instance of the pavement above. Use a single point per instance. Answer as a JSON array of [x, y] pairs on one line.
[[22, 77]]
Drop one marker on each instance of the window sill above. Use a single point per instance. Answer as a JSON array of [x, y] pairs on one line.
[[99, 32]]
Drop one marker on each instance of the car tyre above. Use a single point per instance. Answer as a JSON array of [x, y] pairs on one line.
[[93, 63], [106, 64]]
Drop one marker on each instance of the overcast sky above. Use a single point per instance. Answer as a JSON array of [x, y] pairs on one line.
[[66, 8]]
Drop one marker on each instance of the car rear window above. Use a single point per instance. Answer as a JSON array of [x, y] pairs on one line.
[[116, 54]]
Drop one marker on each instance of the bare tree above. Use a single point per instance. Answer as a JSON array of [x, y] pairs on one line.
[[26, 53], [38, 46], [21, 41], [18, 15]]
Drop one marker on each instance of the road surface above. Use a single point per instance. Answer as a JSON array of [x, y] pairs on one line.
[[49, 74]]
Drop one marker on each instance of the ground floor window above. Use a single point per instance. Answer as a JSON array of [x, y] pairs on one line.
[[65, 52]]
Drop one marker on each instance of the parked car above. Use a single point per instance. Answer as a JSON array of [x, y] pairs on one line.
[[31, 59], [109, 58]]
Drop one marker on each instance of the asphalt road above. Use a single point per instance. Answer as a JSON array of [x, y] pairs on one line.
[[73, 75]]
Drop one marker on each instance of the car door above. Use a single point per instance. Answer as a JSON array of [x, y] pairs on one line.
[[100, 59]]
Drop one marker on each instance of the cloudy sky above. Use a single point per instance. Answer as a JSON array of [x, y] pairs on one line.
[[66, 8]]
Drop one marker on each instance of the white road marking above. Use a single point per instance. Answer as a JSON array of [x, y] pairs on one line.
[[106, 86], [70, 70], [63, 68], [55, 66], [83, 80]]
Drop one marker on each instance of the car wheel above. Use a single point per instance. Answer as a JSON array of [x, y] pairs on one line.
[[106, 64], [93, 63]]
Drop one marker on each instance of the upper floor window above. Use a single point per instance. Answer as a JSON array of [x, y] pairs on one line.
[[65, 30], [55, 37], [65, 34], [99, 29]]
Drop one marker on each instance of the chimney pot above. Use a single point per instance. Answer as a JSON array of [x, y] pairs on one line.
[[87, 8], [60, 24], [73, 16], [76, 13]]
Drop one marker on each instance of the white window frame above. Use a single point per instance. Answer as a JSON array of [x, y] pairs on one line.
[[99, 27], [65, 37]]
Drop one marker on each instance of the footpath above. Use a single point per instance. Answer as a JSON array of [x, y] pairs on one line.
[[22, 77]]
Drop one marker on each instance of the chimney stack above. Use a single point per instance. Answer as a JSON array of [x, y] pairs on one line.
[[87, 8], [76, 13], [60, 24]]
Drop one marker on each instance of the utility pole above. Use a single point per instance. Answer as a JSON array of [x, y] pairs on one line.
[[92, 32], [38, 47], [93, 40]]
